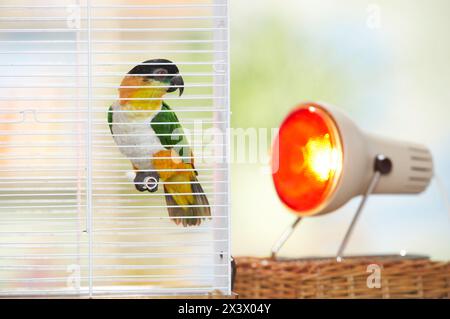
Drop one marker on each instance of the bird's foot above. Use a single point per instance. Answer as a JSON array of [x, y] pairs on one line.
[[146, 181]]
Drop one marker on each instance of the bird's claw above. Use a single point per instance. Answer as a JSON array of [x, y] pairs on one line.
[[146, 181]]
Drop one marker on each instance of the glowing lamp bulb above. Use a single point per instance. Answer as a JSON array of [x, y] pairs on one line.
[[321, 158], [309, 158]]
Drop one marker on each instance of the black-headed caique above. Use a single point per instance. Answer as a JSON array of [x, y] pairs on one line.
[[147, 131]]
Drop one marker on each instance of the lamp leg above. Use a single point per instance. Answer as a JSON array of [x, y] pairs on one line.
[[283, 238], [373, 183]]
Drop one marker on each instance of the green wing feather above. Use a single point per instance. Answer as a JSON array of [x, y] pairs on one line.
[[169, 131], [110, 118]]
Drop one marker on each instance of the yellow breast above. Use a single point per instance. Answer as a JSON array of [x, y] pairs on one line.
[[148, 97]]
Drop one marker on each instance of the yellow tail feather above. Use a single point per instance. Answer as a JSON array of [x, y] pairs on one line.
[[192, 200]]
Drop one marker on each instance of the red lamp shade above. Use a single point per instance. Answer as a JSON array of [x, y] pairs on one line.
[[307, 159]]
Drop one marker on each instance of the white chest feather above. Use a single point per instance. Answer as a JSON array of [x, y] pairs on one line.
[[135, 138]]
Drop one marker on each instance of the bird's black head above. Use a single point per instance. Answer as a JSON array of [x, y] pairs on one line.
[[161, 70]]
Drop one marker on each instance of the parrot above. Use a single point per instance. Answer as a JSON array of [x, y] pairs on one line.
[[147, 132]]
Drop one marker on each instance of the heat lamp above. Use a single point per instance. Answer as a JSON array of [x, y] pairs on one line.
[[321, 160]]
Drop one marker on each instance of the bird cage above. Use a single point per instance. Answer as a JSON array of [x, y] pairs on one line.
[[72, 222]]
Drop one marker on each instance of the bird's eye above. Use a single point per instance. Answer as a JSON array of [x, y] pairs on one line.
[[160, 71]]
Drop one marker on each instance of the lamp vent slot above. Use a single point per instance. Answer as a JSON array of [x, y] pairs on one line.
[[421, 158], [414, 187], [421, 169], [419, 150], [418, 179]]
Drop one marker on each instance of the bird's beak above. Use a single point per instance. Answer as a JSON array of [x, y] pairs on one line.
[[177, 82]]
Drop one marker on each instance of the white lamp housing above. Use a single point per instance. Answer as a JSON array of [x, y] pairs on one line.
[[412, 164]]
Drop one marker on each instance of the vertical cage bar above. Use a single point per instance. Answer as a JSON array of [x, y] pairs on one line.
[[79, 152], [89, 149], [228, 144], [221, 70]]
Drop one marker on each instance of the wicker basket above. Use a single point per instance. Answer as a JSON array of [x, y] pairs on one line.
[[401, 277]]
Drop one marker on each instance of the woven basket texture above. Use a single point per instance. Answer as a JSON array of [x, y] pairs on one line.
[[326, 278]]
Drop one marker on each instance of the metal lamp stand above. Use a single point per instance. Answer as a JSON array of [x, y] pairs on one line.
[[382, 166]]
